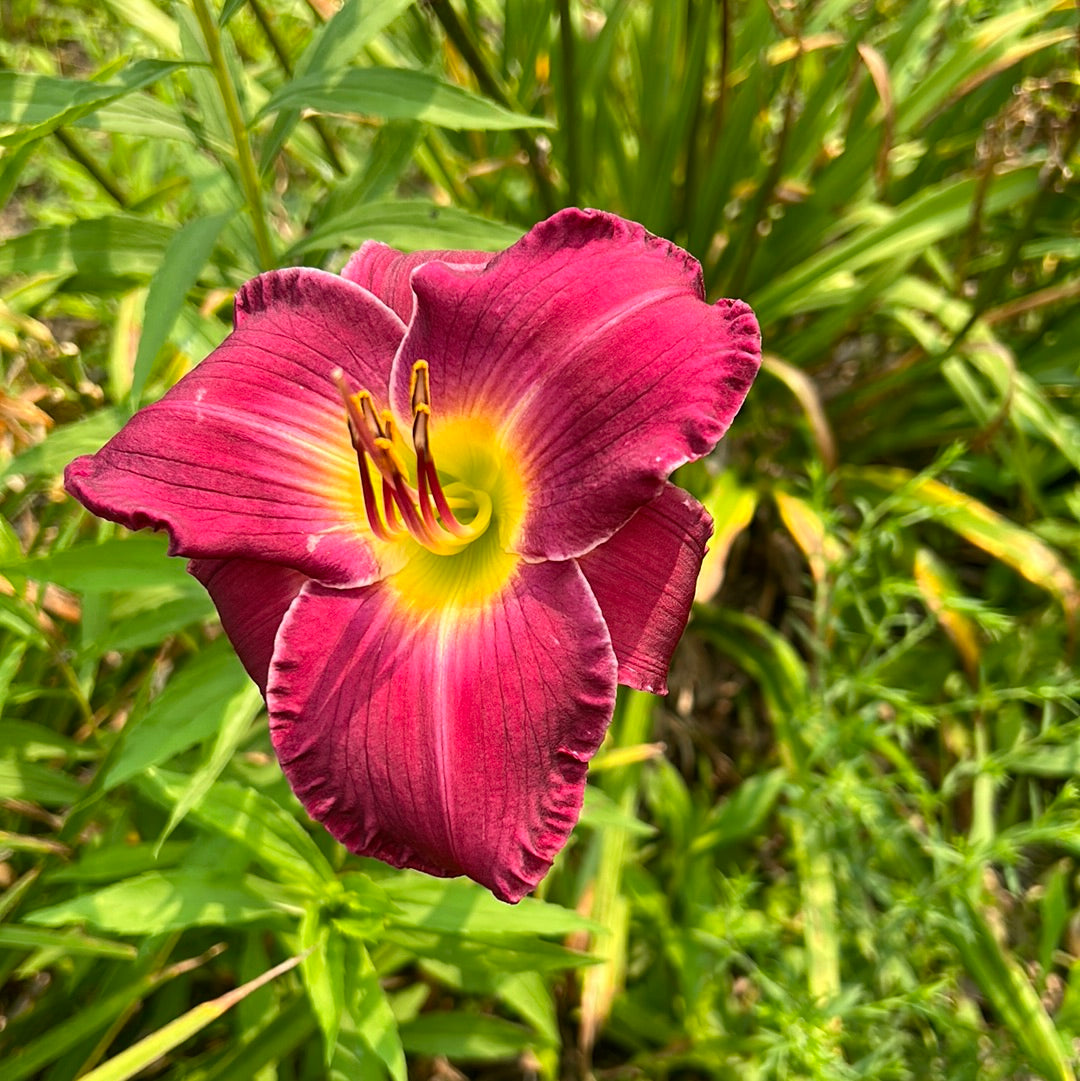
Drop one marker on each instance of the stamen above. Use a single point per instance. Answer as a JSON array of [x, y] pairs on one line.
[[359, 424], [371, 508], [427, 478], [395, 465], [419, 385], [412, 520], [445, 513], [387, 420], [374, 436], [392, 520]]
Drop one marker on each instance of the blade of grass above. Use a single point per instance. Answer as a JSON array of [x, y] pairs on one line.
[[249, 176], [153, 1047], [89, 1019], [609, 907], [184, 259], [1009, 991]]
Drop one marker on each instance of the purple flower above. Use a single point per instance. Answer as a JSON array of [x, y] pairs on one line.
[[429, 498]]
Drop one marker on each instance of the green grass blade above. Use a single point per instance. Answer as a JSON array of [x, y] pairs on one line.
[[397, 94], [981, 526], [39, 104], [182, 263], [149, 1049], [1010, 993], [17, 937]]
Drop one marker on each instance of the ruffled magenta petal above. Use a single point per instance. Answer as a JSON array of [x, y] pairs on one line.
[[252, 599], [643, 578], [589, 348], [386, 271], [453, 742], [249, 455]]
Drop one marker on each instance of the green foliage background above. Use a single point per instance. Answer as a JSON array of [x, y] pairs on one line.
[[846, 845]]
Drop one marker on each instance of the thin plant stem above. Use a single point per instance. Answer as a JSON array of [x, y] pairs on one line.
[[105, 182], [717, 127], [615, 850], [271, 35], [249, 173], [155, 962], [697, 23], [431, 158], [100, 177], [568, 85]]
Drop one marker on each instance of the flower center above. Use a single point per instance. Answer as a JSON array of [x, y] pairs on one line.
[[442, 520], [454, 526]]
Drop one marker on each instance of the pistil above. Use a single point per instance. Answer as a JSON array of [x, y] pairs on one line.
[[422, 512]]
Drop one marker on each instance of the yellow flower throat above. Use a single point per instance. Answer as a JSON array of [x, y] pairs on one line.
[[452, 525]]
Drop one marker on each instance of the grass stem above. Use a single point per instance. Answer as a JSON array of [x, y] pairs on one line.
[[568, 85], [104, 181], [245, 159]]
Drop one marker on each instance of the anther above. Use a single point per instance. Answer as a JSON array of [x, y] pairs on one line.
[[368, 407], [388, 453], [419, 385]]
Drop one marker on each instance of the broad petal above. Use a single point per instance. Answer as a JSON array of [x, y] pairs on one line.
[[249, 454], [643, 579], [386, 271], [252, 599], [454, 742], [589, 349]]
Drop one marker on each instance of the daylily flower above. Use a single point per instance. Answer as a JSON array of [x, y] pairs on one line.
[[429, 498]]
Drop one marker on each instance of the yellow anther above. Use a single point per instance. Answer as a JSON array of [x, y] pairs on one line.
[[387, 419], [394, 458], [419, 385], [367, 407]]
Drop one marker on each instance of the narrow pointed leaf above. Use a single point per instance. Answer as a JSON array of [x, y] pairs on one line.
[[397, 94], [151, 1048], [17, 937], [38, 104], [375, 1021], [182, 263], [252, 819], [159, 901]]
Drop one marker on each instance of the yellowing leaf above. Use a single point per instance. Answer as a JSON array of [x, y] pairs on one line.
[[149, 1049], [808, 530], [981, 526], [789, 48], [936, 585], [732, 508], [802, 386]]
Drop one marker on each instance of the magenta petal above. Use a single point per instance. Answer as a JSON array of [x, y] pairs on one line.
[[252, 599], [249, 454], [454, 742], [589, 347], [644, 577], [386, 271]]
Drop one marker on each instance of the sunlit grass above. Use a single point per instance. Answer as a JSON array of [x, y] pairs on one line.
[[854, 854]]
